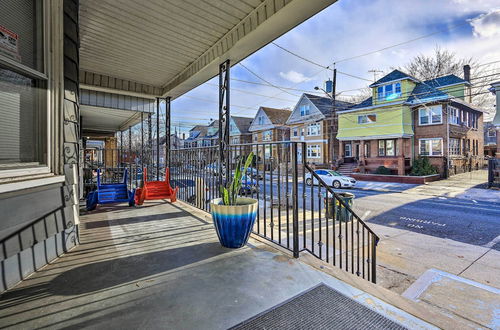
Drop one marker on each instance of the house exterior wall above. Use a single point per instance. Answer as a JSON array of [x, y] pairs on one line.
[[467, 136], [391, 121], [299, 133], [40, 222]]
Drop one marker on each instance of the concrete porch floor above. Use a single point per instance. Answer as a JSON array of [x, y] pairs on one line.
[[159, 266]]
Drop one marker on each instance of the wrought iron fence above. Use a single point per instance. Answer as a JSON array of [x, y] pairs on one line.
[[297, 216]]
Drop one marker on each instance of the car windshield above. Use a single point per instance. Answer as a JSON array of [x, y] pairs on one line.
[[334, 173]]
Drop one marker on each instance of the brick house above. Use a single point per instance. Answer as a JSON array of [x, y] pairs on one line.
[[313, 121], [406, 118]]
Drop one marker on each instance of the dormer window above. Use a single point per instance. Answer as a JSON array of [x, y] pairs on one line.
[[305, 109], [261, 120], [389, 92]]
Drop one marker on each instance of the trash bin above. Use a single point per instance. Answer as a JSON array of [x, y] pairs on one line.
[[341, 213]]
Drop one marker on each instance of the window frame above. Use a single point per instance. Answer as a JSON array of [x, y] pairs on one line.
[[310, 126], [267, 133], [454, 149], [381, 96], [366, 116], [27, 173], [311, 146], [384, 142], [429, 115], [348, 148], [305, 109], [431, 152], [491, 131]]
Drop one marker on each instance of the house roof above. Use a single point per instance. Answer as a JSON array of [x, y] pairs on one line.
[[366, 103], [450, 79], [277, 116], [324, 104], [424, 92], [393, 76], [243, 123]]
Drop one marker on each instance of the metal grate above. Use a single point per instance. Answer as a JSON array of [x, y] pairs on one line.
[[319, 308]]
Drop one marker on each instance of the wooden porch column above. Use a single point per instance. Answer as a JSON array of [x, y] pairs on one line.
[[111, 154], [401, 157], [341, 151]]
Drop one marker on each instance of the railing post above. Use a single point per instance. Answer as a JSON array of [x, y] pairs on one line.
[[295, 201], [224, 119], [374, 259], [157, 139], [130, 154], [167, 131]]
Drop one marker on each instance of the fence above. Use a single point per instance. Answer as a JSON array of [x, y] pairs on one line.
[[493, 172], [291, 213]]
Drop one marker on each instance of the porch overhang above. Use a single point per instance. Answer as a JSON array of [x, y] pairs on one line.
[[162, 49], [107, 120]]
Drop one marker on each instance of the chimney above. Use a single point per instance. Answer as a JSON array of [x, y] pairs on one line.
[[468, 92], [467, 72]]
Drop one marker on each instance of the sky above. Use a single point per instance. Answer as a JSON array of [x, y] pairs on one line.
[[470, 28]]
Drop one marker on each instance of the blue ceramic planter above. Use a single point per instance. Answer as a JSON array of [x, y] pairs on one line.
[[234, 223]]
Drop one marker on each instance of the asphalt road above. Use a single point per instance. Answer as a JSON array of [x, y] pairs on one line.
[[466, 221]]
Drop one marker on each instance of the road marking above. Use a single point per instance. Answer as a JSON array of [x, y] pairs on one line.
[[493, 242], [427, 222]]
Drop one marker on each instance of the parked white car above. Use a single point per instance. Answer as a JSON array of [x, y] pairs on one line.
[[331, 178]]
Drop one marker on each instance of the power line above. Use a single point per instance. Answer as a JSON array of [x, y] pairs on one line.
[[264, 80]]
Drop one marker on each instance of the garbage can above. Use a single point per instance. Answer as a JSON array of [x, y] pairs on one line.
[[333, 205]]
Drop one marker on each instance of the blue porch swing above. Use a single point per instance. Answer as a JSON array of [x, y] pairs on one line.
[[109, 193]]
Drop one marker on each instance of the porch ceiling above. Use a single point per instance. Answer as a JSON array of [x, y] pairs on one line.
[[107, 120], [164, 48]]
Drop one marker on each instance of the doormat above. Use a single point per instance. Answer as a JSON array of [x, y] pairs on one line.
[[319, 308]]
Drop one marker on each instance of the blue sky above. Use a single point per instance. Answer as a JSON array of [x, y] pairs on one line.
[[348, 28]]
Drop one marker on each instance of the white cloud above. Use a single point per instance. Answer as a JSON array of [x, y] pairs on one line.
[[487, 25], [294, 76]]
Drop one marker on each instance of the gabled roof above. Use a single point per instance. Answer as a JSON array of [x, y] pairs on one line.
[[393, 76], [243, 123], [324, 104], [276, 116]]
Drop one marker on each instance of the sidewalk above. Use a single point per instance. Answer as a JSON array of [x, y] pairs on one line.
[[470, 186]]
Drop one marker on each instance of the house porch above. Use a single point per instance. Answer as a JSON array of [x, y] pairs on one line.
[[369, 155], [161, 266]]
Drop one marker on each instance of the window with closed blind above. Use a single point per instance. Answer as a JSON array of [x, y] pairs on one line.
[[23, 105]]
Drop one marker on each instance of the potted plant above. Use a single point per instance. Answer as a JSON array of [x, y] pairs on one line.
[[234, 216]]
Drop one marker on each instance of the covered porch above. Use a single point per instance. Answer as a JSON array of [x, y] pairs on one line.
[[370, 153], [161, 266]]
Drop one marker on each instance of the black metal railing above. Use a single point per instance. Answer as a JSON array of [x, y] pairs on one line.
[[297, 216]]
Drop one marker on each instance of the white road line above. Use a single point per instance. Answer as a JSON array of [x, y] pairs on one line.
[[493, 242]]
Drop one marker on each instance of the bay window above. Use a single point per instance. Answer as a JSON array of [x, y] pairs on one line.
[[431, 147], [430, 115], [23, 86]]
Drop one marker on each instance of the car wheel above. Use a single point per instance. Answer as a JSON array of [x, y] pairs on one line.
[[336, 184], [309, 181]]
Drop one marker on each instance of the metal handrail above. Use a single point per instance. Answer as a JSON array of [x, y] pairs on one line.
[[344, 204]]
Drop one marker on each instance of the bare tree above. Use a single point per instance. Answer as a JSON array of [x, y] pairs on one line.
[[444, 62]]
